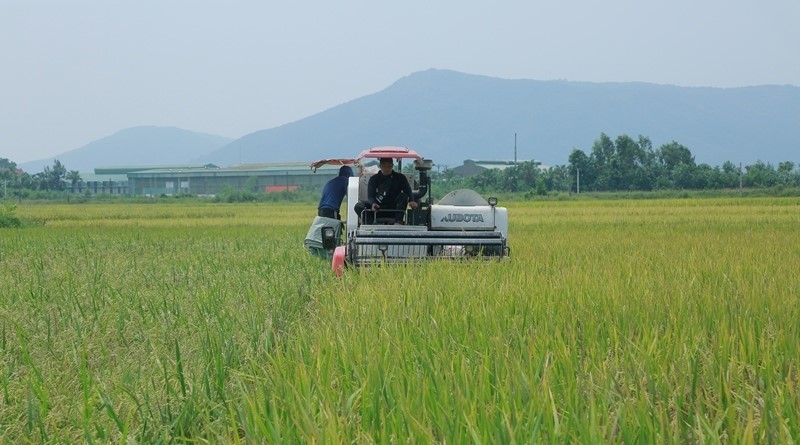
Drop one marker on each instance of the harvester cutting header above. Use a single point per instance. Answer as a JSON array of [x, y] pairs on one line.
[[382, 228]]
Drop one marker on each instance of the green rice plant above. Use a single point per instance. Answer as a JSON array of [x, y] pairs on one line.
[[612, 322], [7, 217]]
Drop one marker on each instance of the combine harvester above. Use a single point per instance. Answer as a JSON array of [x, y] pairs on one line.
[[461, 225]]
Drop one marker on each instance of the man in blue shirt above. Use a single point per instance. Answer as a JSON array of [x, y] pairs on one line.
[[333, 193]]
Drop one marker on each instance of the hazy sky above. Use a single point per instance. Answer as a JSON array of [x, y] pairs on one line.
[[79, 70]]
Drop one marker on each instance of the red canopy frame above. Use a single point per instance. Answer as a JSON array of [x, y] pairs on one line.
[[371, 153]]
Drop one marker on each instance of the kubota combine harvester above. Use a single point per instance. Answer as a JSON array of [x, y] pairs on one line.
[[460, 225]]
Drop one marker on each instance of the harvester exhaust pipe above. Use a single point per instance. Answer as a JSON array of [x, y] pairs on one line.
[[422, 166]]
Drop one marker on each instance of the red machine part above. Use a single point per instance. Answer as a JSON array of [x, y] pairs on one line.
[[337, 264]]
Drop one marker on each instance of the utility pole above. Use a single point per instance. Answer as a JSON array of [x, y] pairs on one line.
[[741, 192], [515, 148], [578, 178]]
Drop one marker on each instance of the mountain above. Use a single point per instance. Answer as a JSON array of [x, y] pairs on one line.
[[145, 145], [449, 116]]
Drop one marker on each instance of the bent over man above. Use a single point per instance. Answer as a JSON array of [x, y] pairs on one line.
[[333, 193]]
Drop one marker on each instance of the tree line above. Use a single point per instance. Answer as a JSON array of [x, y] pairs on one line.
[[621, 164], [627, 164], [55, 178]]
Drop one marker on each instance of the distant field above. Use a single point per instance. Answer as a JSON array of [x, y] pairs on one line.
[[613, 321]]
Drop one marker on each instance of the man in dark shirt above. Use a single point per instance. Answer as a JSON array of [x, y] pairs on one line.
[[333, 193], [388, 190]]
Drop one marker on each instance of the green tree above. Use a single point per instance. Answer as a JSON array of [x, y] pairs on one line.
[[8, 175], [74, 177], [557, 178], [760, 175], [646, 176], [8, 169], [580, 163], [489, 179], [628, 165], [521, 177], [674, 165], [704, 177], [52, 178], [26, 181], [674, 154], [729, 175], [603, 154], [785, 174]]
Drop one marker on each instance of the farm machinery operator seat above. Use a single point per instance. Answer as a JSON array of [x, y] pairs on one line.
[[385, 216]]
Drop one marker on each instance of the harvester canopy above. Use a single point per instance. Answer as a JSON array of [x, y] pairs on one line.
[[369, 154]]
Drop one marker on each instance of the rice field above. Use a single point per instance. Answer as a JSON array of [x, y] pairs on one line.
[[667, 321]]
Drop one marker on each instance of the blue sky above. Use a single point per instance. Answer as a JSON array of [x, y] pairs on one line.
[[77, 71]]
